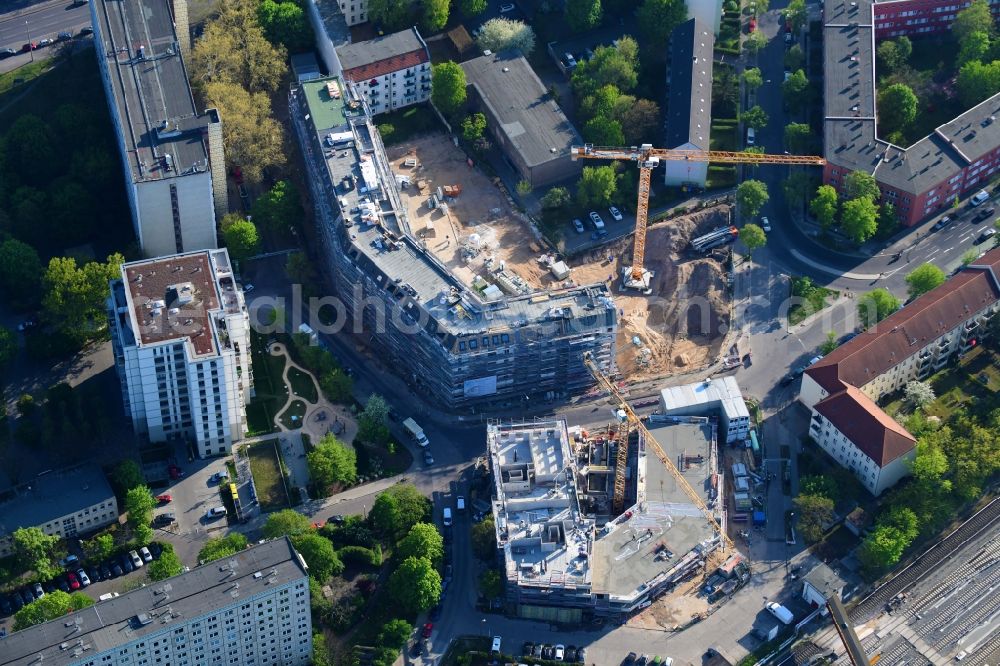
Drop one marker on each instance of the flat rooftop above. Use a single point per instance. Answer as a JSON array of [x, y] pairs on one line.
[[689, 96], [178, 297], [624, 557], [531, 120], [152, 609], [52, 495], [381, 236], [722, 392], [152, 98]]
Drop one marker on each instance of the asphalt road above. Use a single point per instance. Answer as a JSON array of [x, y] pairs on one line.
[[38, 21]]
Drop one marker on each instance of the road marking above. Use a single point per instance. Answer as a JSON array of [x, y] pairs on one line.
[[949, 249], [933, 252]]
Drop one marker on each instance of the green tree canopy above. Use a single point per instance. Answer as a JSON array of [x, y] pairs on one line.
[[923, 278], [415, 585], [399, 508], [473, 7], [392, 15], [435, 15], [75, 296], [100, 547], [127, 475], [795, 90], [218, 547], [819, 484], [423, 540], [448, 87], [286, 23], [794, 58], [813, 512], [797, 187], [754, 42], [53, 605], [252, 138], [166, 565], [20, 273], [974, 18], [484, 539], [279, 209], [373, 424], [897, 107], [824, 205], [753, 237], [395, 634], [860, 184], [473, 127], [798, 138], [597, 186], [974, 47], [501, 34], [556, 197], [603, 131], [583, 14], [859, 219], [919, 394], [753, 78], [240, 235], [658, 18], [978, 81], [610, 65], [895, 53], [287, 522], [751, 195], [139, 503], [332, 462], [876, 305], [319, 555], [796, 13], [35, 550], [8, 346], [755, 117]]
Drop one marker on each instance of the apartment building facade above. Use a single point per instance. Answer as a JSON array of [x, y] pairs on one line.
[[927, 177], [457, 343], [181, 338], [175, 176], [842, 389], [62, 503], [250, 609], [895, 18], [390, 71]]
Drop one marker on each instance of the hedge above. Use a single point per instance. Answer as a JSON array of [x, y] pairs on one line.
[[358, 555]]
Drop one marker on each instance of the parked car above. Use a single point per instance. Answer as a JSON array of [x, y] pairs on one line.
[[765, 224], [16, 602], [942, 223], [136, 560], [156, 549], [596, 220], [165, 498], [63, 36], [84, 578], [427, 630], [215, 512], [86, 30], [581, 655], [5, 607], [615, 213], [986, 235], [248, 287], [69, 561], [74, 582], [559, 652], [37, 590], [220, 477], [789, 38], [984, 214], [44, 42], [116, 570], [527, 648], [569, 60], [578, 225], [175, 472], [93, 573], [7, 53], [629, 659], [164, 519], [62, 584], [336, 519], [127, 565], [547, 652], [146, 555], [105, 571], [428, 458], [979, 197], [30, 46]]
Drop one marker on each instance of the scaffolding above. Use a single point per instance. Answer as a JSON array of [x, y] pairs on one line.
[[618, 502]]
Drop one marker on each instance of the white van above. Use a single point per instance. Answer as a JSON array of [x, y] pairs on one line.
[[979, 197], [447, 516], [460, 503], [780, 612], [751, 137], [495, 649]]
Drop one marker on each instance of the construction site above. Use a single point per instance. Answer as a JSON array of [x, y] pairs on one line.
[[470, 224]]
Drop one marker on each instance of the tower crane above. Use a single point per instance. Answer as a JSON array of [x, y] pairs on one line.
[[651, 442], [648, 158]]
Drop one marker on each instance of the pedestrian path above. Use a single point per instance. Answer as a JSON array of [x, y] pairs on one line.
[[868, 277]]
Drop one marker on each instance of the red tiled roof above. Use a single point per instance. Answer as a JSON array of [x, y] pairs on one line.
[[387, 66], [870, 429]]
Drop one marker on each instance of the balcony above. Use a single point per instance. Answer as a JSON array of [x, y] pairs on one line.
[[971, 325]]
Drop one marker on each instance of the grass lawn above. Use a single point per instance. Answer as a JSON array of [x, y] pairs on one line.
[[267, 476], [376, 461], [270, 391], [723, 137], [303, 385], [400, 126], [720, 177], [26, 73], [813, 299], [973, 383], [297, 410]]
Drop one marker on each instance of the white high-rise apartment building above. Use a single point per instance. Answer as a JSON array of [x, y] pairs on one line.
[[181, 337], [251, 609]]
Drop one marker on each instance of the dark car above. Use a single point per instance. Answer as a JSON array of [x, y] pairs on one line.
[[127, 564], [984, 214], [155, 549], [93, 573], [942, 223], [30, 46], [62, 583], [64, 36], [16, 603], [5, 606], [336, 519], [527, 648], [105, 571], [116, 570], [986, 235], [7, 53], [570, 654], [87, 30], [629, 659], [27, 595]]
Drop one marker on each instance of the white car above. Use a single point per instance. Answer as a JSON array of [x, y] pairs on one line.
[[578, 225], [136, 560], [615, 213], [765, 224], [596, 219], [146, 555], [509, 7], [559, 653], [215, 512], [84, 578], [979, 197], [247, 288]]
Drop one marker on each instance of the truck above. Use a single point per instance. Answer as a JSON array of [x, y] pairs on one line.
[[715, 238], [416, 432], [780, 612]]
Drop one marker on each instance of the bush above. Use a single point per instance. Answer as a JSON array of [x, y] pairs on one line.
[[386, 130], [350, 534], [362, 556]]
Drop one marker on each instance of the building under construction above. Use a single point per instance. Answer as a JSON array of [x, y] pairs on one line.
[[457, 343], [591, 522]]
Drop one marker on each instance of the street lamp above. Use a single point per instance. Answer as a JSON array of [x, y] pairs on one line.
[[486, 631], [28, 35]]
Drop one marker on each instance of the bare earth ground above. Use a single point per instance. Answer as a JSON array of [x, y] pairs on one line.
[[681, 326]]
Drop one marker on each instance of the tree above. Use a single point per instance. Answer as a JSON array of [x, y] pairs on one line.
[[34, 550], [393, 15], [523, 187], [373, 424], [905, 47], [139, 504], [31, 145], [796, 14], [795, 90], [610, 65], [556, 197], [894, 54], [166, 565], [974, 18], [286, 23], [423, 540], [978, 81], [583, 15], [798, 138], [755, 117], [319, 555], [897, 107], [240, 235], [501, 34], [924, 278], [233, 50], [876, 305], [395, 634], [287, 522], [752, 78], [725, 90], [859, 219], [127, 475], [279, 209], [252, 138], [385, 514], [888, 221], [753, 237], [399, 508], [751, 195], [969, 257], [812, 513], [74, 299], [797, 187], [53, 605], [658, 18], [829, 344], [919, 394], [217, 548], [794, 58], [974, 47], [332, 462], [415, 586], [883, 547], [819, 484], [755, 42], [448, 87], [473, 7], [435, 15], [100, 547], [603, 131], [484, 539], [20, 273], [640, 120], [473, 127], [597, 186], [860, 184], [824, 205], [491, 584]]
